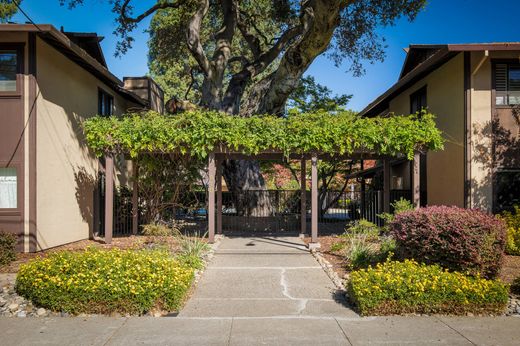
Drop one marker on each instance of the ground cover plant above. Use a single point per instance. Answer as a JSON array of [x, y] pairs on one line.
[[7, 248], [512, 220], [457, 239], [106, 281], [396, 287]]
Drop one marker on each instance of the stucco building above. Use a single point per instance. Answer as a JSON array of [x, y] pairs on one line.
[[474, 89], [50, 82]]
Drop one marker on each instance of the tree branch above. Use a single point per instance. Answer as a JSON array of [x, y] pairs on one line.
[[193, 36], [158, 6]]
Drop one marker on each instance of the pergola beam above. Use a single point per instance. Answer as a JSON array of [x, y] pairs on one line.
[[135, 198], [416, 180], [212, 170], [109, 198], [386, 186], [219, 196], [303, 197], [314, 201]]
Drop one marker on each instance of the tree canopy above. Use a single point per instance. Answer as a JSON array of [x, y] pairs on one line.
[[247, 57]]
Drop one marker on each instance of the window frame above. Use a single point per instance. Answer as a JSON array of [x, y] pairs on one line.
[[496, 207], [419, 92], [19, 49], [19, 190], [103, 94], [495, 62]]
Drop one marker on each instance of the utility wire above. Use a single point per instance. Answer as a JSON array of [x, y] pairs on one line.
[[15, 2]]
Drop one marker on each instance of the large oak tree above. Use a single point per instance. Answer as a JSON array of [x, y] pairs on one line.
[[248, 56]]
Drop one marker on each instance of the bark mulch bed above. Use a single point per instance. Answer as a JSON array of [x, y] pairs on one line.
[[339, 264], [510, 268], [124, 243]]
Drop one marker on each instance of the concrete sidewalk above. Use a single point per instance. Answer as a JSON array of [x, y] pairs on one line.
[[262, 291], [257, 331], [265, 277]]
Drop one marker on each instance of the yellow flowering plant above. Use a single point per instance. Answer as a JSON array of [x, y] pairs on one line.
[[396, 287], [105, 281]]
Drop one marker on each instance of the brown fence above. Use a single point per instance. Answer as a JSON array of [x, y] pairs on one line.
[[281, 212]]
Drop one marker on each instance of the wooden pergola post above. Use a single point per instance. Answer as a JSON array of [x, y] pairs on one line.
[[135, 198], [219, 197], [109, 198], [211, 197], [303, 197], [416, 180], [314, 202], [386, 186]]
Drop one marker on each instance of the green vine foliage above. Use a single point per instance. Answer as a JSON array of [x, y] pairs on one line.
[[200, 132]]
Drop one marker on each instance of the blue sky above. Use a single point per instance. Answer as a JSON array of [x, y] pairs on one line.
[[443, 21]]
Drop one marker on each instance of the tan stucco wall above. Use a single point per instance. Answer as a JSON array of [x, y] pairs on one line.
[[481, 131], [445, 98], [66, 169]]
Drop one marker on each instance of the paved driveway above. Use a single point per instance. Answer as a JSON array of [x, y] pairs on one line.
[[265, 277]]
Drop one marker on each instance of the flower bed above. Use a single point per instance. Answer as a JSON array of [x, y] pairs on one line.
[[408, 287], [98, 281]]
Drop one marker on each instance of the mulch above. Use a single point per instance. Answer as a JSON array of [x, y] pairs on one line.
[[510, 269], [339, 264], [123, 243]]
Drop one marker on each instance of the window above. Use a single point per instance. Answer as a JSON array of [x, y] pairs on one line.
[[8, 188], [8, 70], [105, 103], [418, 101], [507, 84], [507, 190]]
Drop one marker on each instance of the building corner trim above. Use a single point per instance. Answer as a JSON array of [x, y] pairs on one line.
[[467, 130]]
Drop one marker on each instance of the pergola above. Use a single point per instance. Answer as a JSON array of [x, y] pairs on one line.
[[214, 203]]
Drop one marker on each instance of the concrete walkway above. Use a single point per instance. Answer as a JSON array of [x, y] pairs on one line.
[[265, 277], [262, 291]]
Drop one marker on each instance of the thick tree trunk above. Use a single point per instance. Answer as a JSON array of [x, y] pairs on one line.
[[319, 19]]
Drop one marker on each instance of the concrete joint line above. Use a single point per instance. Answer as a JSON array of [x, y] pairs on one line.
[[115, 331], [343, 331], [264, 268], [269, 299], [455, 330]]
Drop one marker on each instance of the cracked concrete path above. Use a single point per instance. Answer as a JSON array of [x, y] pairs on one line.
[[261, 291], [265, 277]]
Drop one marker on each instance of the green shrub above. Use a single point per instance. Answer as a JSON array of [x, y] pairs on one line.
[[363, 227], [465, 240], [399, 206], [7, 248], [98, 281], [157, 230], [512, 220], [408, 287]]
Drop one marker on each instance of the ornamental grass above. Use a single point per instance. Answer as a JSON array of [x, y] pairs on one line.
[[409, 287], [105, 281]]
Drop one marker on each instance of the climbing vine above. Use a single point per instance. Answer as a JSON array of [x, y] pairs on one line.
[[198, 133]]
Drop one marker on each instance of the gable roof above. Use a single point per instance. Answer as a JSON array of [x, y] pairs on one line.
[[422, 59], [63, 43], [89, 41]]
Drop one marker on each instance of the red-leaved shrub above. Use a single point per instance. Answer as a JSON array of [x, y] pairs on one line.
[[457, 239]]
